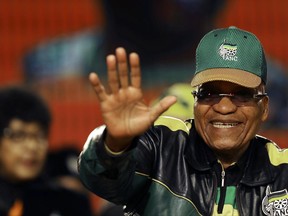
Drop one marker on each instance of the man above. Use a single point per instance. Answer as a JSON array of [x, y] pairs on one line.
[[214, 164], [24, 191]]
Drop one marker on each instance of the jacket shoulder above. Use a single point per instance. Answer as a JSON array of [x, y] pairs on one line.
[[277, 155]]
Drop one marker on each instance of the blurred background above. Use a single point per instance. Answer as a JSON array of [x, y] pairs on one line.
[[52, 46]]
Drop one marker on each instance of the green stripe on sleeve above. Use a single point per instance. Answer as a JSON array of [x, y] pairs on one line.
[[172, 123]]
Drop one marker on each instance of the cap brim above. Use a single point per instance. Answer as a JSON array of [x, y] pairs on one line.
[[236, 76]]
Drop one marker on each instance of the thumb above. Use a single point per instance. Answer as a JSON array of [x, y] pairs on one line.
[[162, 106]]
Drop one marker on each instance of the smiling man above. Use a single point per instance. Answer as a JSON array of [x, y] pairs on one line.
[[214, 164]]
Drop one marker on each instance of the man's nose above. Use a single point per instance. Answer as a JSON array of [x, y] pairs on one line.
[[225, 106]]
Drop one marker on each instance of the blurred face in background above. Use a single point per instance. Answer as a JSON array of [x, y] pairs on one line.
[[23, 150]]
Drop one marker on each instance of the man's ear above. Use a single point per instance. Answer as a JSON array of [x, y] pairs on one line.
[[265, 108]]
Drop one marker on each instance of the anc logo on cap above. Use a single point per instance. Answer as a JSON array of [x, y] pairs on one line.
[[275, 203], [228, 52]]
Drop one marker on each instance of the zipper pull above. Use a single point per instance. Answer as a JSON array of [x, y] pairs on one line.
[[222, 192], [222, 178]]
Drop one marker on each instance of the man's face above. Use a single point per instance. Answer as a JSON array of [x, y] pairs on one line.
[[23, 151], [227, 124]]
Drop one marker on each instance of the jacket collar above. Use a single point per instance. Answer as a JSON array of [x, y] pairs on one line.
[[258, 170], [197, 153]]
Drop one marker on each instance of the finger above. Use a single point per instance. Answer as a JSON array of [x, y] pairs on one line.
[[122, 67], [97, 86], [162, 106], [135, 70], [112, 73]]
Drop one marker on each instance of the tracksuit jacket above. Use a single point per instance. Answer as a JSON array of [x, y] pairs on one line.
[[170, 171]]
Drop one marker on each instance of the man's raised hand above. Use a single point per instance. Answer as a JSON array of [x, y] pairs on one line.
[[123, 109]]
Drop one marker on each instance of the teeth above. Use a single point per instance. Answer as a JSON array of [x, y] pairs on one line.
[[224, 125]]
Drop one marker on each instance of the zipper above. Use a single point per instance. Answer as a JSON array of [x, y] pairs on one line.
[[214, 191], [238, 201], [222, 191]]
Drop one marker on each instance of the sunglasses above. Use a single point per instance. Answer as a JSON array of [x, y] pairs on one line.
[[239, 99]]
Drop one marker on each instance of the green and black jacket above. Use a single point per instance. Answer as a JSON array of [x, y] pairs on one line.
[[169, 171]]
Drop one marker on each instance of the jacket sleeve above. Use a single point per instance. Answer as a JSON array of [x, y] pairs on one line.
[[106, 175]]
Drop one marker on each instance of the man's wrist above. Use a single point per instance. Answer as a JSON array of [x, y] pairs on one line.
[[115, 153]]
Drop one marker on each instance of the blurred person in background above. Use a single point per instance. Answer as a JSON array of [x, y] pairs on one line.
[[61, 168], [184, 107], [25, 121], [164, 33]]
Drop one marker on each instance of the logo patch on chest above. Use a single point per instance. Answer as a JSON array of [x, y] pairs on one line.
[[275, 203]]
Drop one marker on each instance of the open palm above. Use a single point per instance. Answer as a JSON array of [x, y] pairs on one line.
[[123, 109]]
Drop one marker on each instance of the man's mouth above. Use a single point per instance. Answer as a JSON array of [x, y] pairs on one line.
[[224, 125]]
